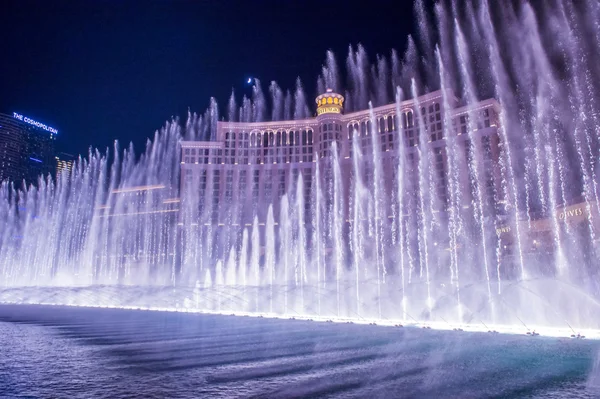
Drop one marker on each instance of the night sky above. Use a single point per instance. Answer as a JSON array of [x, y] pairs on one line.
[[105, 69]]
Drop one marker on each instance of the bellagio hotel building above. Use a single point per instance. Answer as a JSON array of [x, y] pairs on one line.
[[249, 166]]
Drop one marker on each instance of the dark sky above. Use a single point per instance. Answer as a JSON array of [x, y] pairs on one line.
[[102, 70]]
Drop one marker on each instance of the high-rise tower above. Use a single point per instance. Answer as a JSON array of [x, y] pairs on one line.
[[329, 114]]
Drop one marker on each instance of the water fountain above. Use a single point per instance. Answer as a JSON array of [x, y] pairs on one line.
[[384, 246]]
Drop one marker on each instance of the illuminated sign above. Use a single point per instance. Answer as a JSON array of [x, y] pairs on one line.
[[570, 213], [34, 123], [504, 229], [328, 110]]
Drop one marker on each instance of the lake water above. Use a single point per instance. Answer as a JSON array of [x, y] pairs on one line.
[[66, 352]]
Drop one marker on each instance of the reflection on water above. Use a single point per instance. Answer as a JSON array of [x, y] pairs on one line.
[[77, 352]]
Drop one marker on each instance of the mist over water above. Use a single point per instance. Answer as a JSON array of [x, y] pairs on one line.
[[120, 227]]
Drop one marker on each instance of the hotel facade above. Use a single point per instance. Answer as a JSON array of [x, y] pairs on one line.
[[449, 153], [257, 163]]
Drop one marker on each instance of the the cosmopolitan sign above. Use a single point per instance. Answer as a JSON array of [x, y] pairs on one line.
[[34, 123]]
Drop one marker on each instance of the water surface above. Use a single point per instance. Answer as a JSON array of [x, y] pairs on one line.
[[73, 352]]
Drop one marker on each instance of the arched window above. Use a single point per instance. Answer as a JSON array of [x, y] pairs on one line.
[[226, 135], [381, 125], [369, 131], [304, 137], [409, 117], [266, 139], [258, 139], [310, 137], [278, 139], [233, 135], [390, 123], [297, 137], [363, 128]]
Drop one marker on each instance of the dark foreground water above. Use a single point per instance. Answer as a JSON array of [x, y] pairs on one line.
[[56, 352]]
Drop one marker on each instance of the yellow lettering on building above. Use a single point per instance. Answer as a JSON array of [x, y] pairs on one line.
[[570, 213], [328, 110]]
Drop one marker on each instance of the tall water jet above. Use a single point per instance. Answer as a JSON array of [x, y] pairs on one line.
[[232, 108], [285, 252], [378, 197], [317, 233], [255, 262], [338, 220], [270, 254], [400, 196], [277, 101], [259, 103], [424, 197], [301, 238], [300, 107]]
